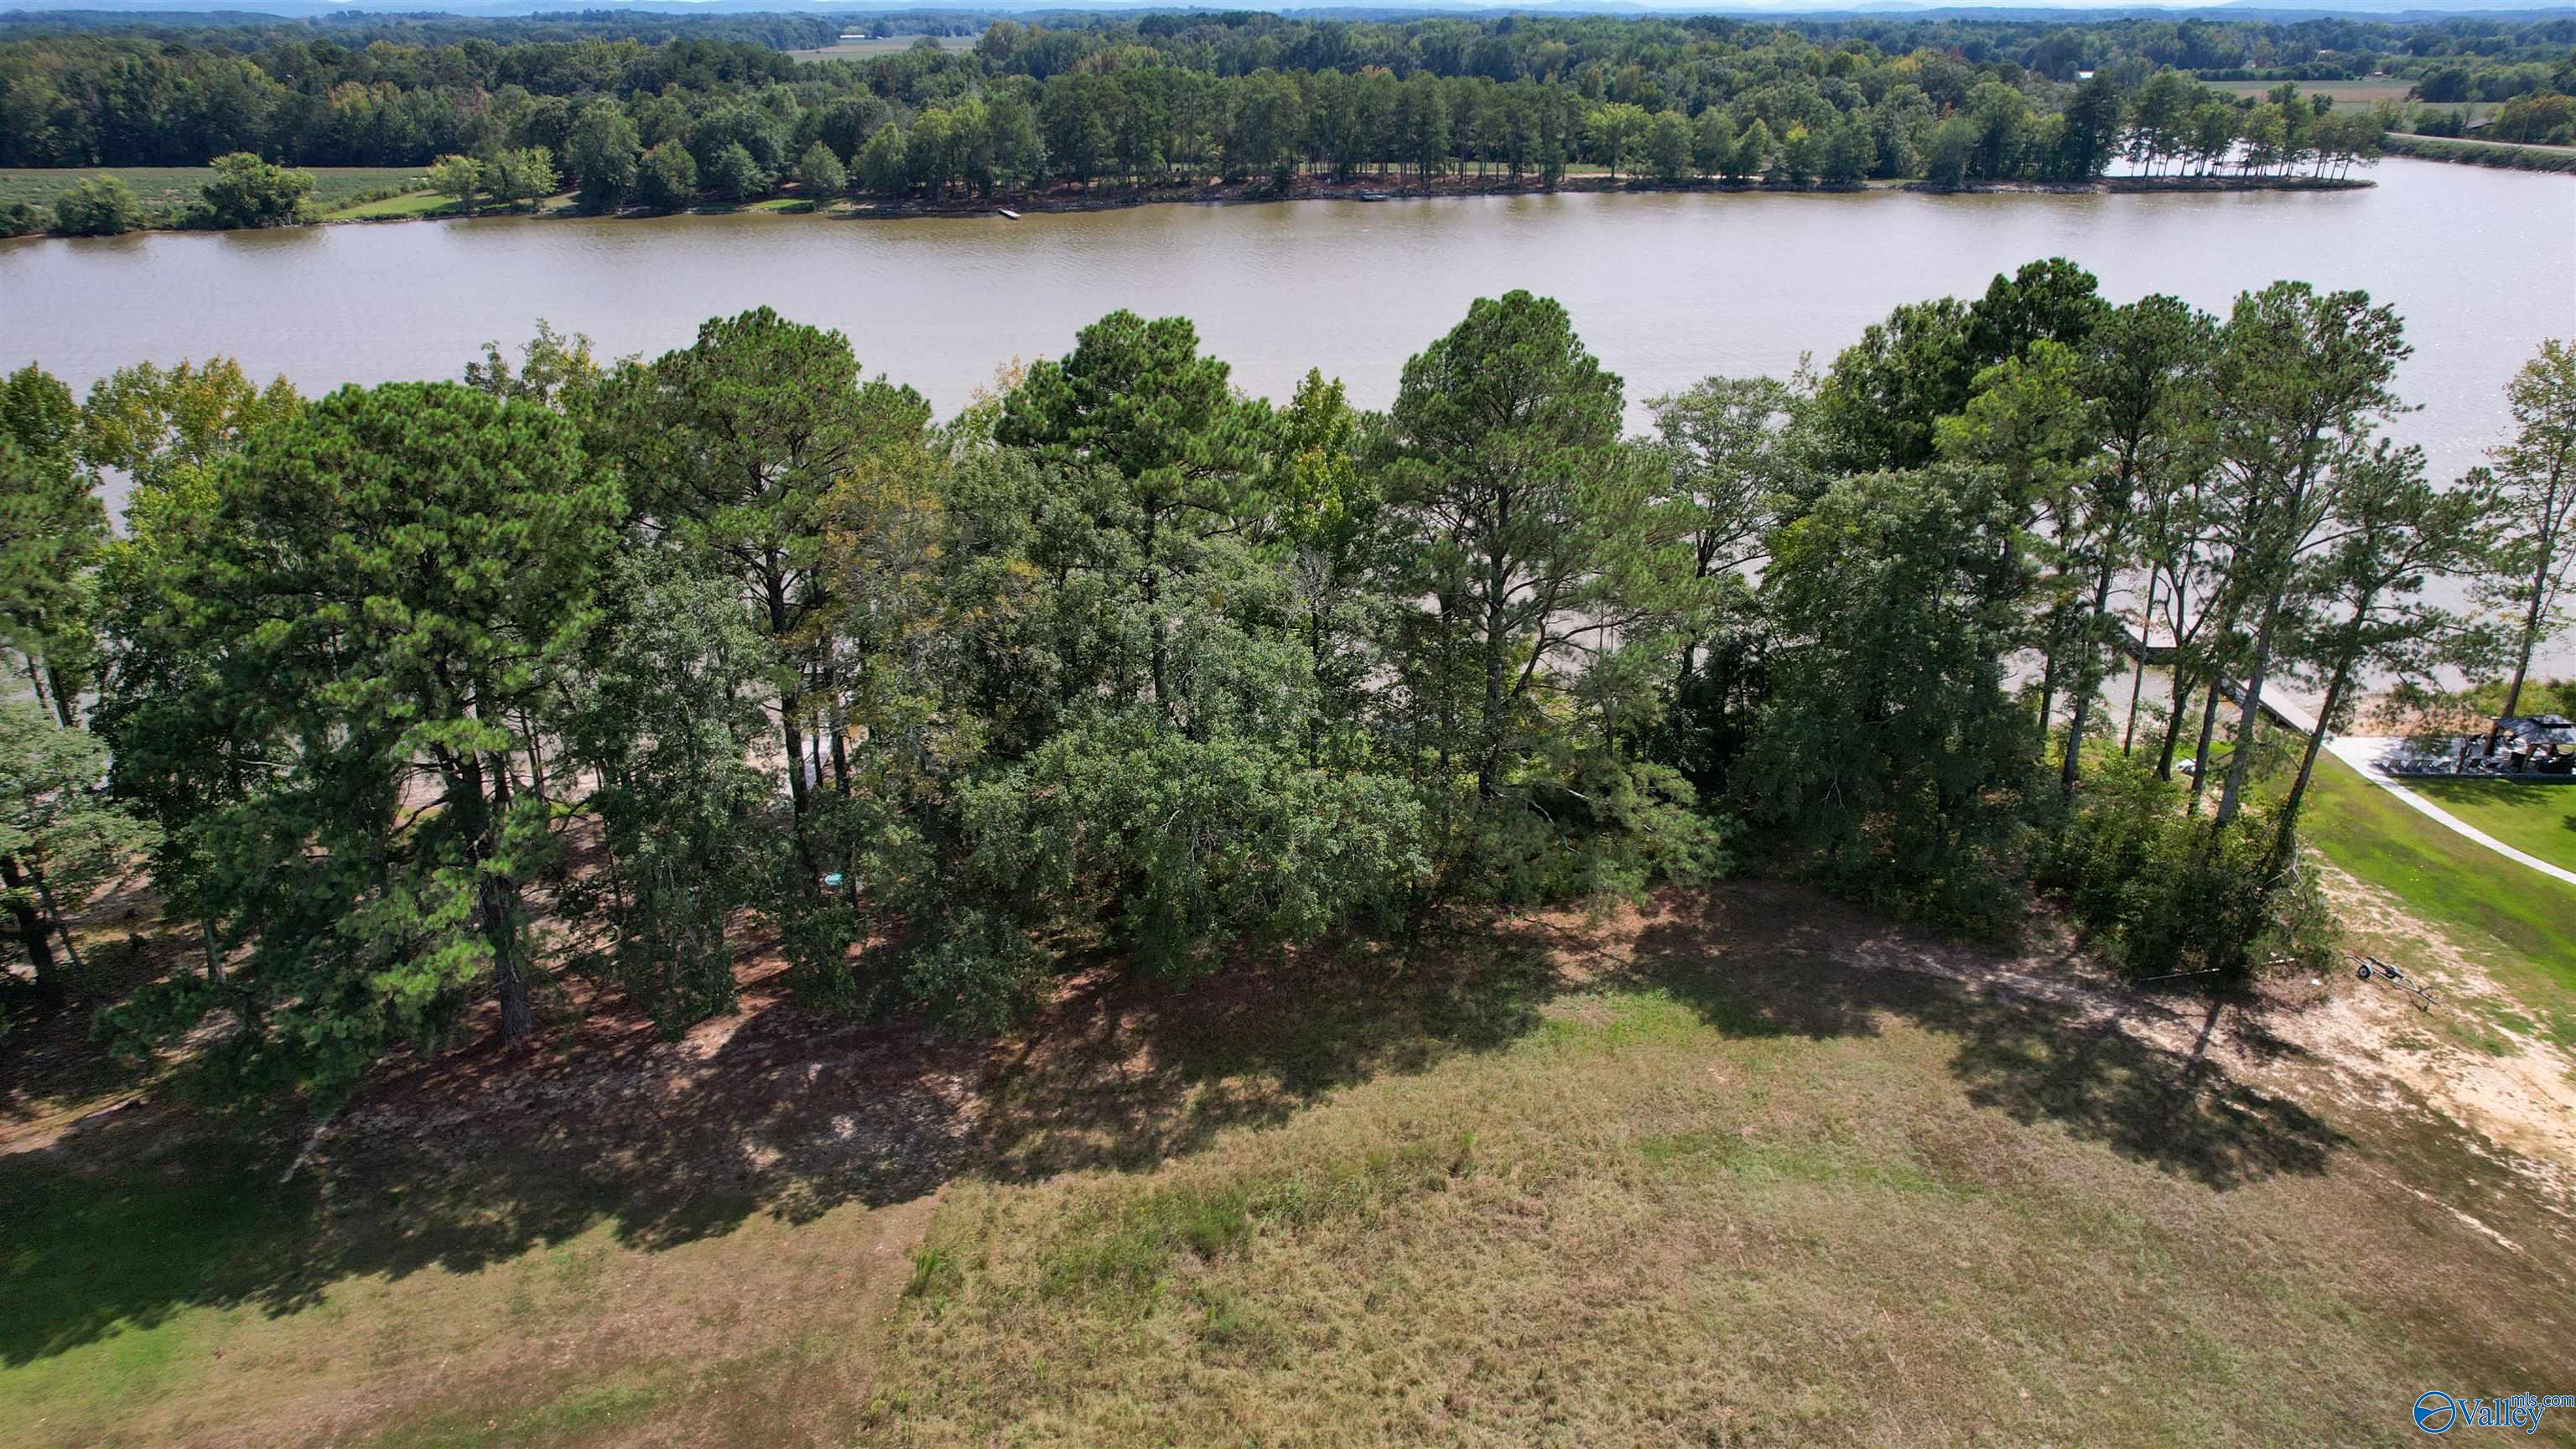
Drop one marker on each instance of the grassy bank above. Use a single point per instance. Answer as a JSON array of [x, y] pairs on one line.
[[409, 206], [2505, 154]]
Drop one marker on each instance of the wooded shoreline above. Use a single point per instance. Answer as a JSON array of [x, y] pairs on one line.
[[1075, 200]]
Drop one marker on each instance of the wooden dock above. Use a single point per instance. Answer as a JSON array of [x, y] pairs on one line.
[[2148, 653]]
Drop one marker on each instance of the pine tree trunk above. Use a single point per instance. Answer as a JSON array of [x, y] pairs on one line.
[[2250, 718], [1153, 583], [788, 694], [1490, 751], [500, 904], [64, 696], [2286, 836], [2138, 676], [2208, 728], [497, 901], [2047, 688], [2088, 679], [34, 932], [2173, 725], [2522, 661]]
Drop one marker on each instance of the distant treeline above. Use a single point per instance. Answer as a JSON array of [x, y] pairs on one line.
[[1162, 96], [248, 31]]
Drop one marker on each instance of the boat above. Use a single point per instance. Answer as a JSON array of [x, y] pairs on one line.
[[1006, 213]]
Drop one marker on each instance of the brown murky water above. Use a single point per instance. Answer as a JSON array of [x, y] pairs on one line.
[[1665, 288]]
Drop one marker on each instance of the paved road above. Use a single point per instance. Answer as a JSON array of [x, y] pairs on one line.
[[2363, 753]]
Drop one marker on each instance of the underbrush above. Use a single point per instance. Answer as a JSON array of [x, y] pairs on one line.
[[2164, 892]]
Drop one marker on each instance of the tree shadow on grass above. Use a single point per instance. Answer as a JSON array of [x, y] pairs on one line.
[[1765, 961], [473, 1159], [1124, 1073], [478, 1157]]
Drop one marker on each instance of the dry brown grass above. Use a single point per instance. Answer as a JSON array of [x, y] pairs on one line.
[[1749, 1168], [1734, 1190]]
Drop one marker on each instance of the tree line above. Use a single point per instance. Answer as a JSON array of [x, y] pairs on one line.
[[1247, 93], [1164, 127], [429, 697]]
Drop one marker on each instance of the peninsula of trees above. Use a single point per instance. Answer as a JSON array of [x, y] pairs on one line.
[[428, 696]]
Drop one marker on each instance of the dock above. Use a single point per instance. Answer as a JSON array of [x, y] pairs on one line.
[[2147, 652]]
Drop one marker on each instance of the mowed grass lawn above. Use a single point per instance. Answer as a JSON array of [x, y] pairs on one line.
[[410, 204], [2515, 922], [1713, 1184], [175, 186], [2538, 820]]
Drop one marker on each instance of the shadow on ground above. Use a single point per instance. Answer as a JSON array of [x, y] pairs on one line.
[[1759, 961], [479, 1157]]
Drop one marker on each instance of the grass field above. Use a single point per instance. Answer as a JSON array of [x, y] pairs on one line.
[[172, 187], [1742, 1195], [2345, 93], [2362, 93], [1716, 1176], [861, 49]]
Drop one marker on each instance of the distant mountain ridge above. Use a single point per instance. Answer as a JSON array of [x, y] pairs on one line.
[[2395, 10]]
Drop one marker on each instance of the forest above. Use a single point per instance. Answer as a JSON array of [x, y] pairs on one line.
[[664, 113], [417, 703]]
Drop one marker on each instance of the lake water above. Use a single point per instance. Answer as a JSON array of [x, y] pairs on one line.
[[1666, 288]]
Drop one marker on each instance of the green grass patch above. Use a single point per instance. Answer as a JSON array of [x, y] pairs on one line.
[[174, 1292], [1126, 1249], [114, 1282], [409, 206], [2444, 878], [2538, 820], [2516, 922], [587, 1413]]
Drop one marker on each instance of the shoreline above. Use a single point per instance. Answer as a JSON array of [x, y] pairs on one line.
[[1069, 199], [1309, 189]]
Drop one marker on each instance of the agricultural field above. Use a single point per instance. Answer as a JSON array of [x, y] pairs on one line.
[[173, 187], [2345, 93], [861, 47]]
